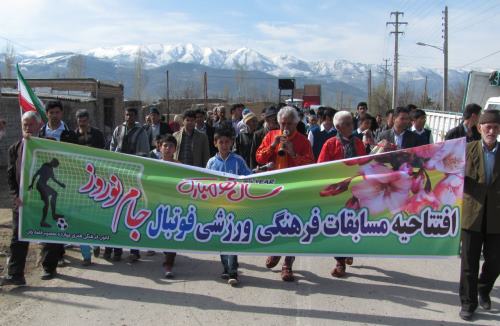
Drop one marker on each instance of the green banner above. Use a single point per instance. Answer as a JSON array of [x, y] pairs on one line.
[[405, 202]]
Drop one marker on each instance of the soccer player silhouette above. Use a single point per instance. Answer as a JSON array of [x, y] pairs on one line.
[[47, 193]]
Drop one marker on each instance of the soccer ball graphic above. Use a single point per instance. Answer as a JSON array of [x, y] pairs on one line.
[[61, 224]]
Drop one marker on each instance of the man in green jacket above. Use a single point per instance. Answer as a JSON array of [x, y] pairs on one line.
[[480, 219]]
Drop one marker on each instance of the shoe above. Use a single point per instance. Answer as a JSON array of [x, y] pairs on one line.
[[272, 261], [46, 275], [168, 271], [150, 253], [465, 315], [287, 274], [339, 270], [62, 262], [86, 262], [485, 301], [233, 280], [132, 258], [97, 251], [224, 275], [349, 261], [13, 280], [115, 257]]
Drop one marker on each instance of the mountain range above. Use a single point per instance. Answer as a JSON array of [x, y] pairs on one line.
[[241, 73]]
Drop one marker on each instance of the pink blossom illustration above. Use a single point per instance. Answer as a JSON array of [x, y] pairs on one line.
[[449, 159], [382, 188], [420, 201], [449, 189]]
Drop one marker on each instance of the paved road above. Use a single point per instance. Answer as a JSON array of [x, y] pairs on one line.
[[377, 291]]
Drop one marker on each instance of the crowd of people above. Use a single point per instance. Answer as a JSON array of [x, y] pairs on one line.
[[279, 137]]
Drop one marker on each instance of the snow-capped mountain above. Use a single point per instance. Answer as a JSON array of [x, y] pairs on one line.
[[158, 55], [118, 63]]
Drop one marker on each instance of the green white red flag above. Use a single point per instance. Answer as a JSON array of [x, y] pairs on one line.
[[28, 101]]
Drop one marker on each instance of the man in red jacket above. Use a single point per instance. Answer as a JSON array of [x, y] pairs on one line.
[[344, 145], [285, 148]]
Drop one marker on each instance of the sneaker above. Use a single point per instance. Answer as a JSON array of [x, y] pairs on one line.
[[272, 261], [465, 314], [287, 274], [132, 258], [46, 275], [233, 280], [224, 275], [97, 251], [86, 262], [13, 280], [168, 271], [485, 301], [62, 262]]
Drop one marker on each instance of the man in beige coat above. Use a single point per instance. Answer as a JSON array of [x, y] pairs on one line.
[[480, 217], [192, 145]]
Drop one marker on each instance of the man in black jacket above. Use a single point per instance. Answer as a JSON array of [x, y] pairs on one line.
[[399, 134], [468, 128], [86, 134], [157, 127], [55, 128], [19, 249]]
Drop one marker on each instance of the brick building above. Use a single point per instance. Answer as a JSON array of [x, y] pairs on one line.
[[103, 100]]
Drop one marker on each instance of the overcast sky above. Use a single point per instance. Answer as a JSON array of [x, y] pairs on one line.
[[311, 30]]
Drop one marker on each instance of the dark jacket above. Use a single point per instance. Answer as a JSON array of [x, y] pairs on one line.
[[243, 146], [459, 132], [95, 138], [480, 200], [200, 148], [409, 138], [13, 173], [67, 136], [258, 136], [130, 141], [164, 130]]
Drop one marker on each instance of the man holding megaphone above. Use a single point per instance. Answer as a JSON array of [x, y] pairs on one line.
[[285, 148]]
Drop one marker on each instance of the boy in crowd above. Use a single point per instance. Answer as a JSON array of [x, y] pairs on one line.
[[168, 146], [156, 152], [226, 161], [418, 119]]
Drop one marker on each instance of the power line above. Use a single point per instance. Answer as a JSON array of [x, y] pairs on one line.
[[480, 59]]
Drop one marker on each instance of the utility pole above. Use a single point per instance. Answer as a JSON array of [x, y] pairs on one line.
[[168, 99], [386, 73], [396, 33], [445, 55], [205, 90], [424, 96], [369, 89]]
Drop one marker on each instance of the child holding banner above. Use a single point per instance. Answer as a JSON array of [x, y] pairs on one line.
[[226, 161], [168, 146]]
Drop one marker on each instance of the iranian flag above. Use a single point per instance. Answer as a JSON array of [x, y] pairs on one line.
[[28, 101]]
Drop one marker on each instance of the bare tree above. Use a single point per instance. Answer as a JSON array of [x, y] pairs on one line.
[[139, 75], [76, 66], [381, 99], [9, 60]]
